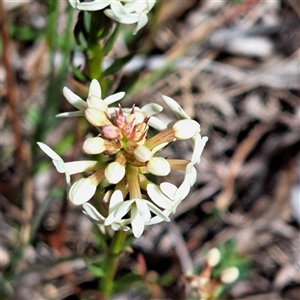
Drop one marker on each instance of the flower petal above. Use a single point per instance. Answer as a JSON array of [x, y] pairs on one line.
[[75, 167], [95, 88], [158, 197], [70, 114], [93, 213], [56, 159], [143, 209], [137, 222], [176, 108], [114, 98], [115, 201], [73, 99], [93, 6]]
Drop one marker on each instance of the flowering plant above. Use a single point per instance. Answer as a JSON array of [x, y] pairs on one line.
[[125, 158]]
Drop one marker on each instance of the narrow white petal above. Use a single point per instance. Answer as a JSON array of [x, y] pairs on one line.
[[123, 209], [158, 212], [75, 167], [74, 3], [56, 159], [114, 98], [198, 152], [115, 201], [70, 114], [182, 191], [176, 108], [168, 189], [73, 99], [93, 212], [49, 151], [191, 175], [137, 223], [157, 124], [158, 197], [151, 109], [154, 220], [143, 19], [95, 88], [93, 6], [143, 209]]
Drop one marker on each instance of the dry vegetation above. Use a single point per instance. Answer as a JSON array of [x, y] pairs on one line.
[[234, 67]]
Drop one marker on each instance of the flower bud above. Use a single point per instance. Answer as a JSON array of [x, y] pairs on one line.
[[95, 102], [159, 166], [114, 172], [82, 191], [213, 257], [230, 275], [94, 145], [142, 153], [111, 132], [97, 117], [186, 129]]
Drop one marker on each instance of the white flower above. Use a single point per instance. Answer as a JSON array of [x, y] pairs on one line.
[[133, 12], [69, 168], [197, 141], [140, 213], [93, 5], [168, 197], [115, 201], [94, 100]]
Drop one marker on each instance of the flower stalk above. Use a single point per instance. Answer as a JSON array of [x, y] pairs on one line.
[[111, 263]]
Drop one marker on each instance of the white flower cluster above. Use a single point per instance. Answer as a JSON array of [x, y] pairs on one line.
[[131, 200], [125, 11]]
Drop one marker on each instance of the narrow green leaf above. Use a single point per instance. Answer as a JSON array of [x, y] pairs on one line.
[[111, 40], [118, 64]]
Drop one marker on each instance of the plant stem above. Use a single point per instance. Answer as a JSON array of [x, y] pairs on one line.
[[111, 263], [94, 51]]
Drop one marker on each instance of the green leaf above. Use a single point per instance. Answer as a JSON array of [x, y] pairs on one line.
[[111, 40], [125, 282], [118, 64], [95, 268]]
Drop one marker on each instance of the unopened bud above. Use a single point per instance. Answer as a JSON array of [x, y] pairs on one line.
[[95, 102], [114, 172], [186, 129], [97, 117], [94, 145], [82, 191], [111, 132], [158, 166], [213, 257], [230, 275], [142, 153]]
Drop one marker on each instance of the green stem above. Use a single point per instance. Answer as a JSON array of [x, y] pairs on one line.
[[94, 51], [111, 263]]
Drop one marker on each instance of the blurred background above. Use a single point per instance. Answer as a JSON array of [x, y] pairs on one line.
[[233, 65]]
